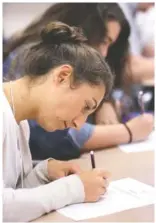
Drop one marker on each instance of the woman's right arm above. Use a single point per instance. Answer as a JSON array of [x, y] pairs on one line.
[[27, 204]]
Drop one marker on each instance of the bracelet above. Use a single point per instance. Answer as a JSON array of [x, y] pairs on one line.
[[129, 131]]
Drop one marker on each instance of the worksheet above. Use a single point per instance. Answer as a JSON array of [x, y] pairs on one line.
[[121, 195], [147, 145]]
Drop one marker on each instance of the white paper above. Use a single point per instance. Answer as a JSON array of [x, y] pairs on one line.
[[147, 145], [122, 194]]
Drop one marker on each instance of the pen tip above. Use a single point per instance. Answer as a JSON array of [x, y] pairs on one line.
[[91, 152]]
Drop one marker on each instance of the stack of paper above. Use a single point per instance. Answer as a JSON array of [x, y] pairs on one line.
[[122, 194], [147, 145]]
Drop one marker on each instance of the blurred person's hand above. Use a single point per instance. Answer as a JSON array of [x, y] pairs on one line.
[[143, 6], [95, 183], [106, 115], [148, 51], [141, 126], [139, 69]]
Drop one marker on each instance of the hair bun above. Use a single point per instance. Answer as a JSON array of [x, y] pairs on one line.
[[58, 32]]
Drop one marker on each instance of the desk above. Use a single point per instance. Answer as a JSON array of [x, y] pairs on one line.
[[139, 166]]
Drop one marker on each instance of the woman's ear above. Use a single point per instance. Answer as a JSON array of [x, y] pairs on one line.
[[63, 74]]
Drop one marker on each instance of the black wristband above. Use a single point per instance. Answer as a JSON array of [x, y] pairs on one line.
[[129, 131]]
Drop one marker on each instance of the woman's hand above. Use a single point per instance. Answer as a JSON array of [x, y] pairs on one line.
[[58, 169], [95, 183]]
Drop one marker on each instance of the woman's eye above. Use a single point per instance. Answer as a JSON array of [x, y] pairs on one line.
[[86, 108]]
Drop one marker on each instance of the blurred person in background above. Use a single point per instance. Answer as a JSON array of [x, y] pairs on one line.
[[145, 19], [142, 68], [107, 30], [141, 18]]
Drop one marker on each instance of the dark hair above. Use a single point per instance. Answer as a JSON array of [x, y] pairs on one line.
[[92, 18], [61, 44]]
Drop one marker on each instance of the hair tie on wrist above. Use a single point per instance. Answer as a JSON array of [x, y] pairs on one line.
[[129, 131]]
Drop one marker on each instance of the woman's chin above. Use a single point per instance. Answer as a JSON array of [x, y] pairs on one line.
[[47, 127], [53, 128]]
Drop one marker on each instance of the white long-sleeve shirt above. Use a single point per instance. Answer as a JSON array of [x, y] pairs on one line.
[[38, 196]]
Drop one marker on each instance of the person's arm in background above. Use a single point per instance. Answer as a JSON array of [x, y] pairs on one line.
[[140, 69], [113, 135]]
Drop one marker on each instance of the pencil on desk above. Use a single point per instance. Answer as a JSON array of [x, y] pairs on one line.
[[92, 159]]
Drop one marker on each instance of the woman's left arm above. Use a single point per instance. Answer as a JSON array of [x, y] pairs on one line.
[[37, 176]]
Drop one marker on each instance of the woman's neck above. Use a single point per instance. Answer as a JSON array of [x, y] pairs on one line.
[[20, 99]]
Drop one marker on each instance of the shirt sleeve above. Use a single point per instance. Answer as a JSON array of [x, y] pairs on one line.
[[28, 204], [37, 176]]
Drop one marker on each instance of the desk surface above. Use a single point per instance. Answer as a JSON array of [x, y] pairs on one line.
[[139, 166]]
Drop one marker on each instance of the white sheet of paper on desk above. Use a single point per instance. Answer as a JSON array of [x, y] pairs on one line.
[[122, 195], [147, 145]]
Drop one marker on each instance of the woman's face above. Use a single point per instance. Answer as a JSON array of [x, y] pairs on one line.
[[114, 29], [62, 105]]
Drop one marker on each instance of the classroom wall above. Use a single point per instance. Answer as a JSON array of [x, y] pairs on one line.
[[18, 15]]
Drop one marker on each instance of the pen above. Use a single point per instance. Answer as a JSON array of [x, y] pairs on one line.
[[93, 162], [92, 159], [140, 101]]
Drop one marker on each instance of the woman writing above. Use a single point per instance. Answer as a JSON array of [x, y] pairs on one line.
[[107, 30], [64, 82]]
